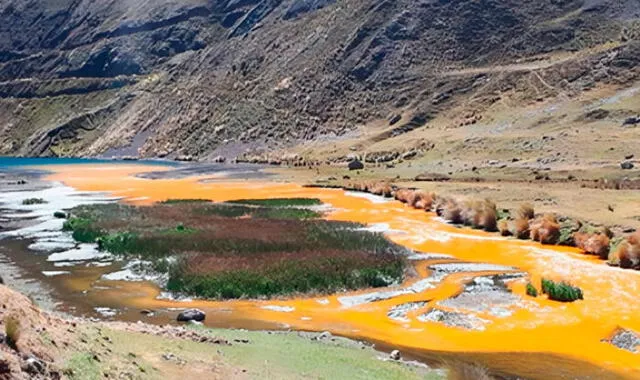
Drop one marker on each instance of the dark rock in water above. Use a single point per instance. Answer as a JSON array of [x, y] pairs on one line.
[[627, 165], [191, 315], [356, 165]]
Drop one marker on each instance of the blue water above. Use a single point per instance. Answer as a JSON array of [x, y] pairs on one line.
[[17, 162]]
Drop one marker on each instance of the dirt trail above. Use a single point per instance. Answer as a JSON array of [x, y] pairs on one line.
[[550, 337]]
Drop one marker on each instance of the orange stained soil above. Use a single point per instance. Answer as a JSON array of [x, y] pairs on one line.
[[538, 338]]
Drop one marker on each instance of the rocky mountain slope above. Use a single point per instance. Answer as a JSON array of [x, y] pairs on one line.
[[204, 78]]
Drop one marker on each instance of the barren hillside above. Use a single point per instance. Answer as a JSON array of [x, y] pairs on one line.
[[178, 78]]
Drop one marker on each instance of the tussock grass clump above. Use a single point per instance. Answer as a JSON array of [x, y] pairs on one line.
[[452, 212], [33, 201], [503, 227], [561, 291], [628, 252], [545, 229], [383, 189], [521, 223], [531, 290], [402, 195], [12, 331], [593, 243]]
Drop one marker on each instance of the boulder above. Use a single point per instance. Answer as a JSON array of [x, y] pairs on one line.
[[394, 119], [395, 355], [191, 315], [626, 165], [356, 165]]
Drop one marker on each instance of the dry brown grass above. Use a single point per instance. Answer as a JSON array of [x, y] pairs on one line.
[[593, 243], [452, 212], [403, 195], [421, 200], [525, 211], [521, 228], [545, 229], [382, 189], [12, 331], [628, 252], [467, 371], [503, 227]]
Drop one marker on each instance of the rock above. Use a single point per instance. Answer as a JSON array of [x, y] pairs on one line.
[[632, 121], [629, 157], [395, 355], [191, 315], [147, 312], [33, 366], [324, 335], [219, 159], [394, 119], [185, 158], [626, 165], [356, 165], [409, 155]]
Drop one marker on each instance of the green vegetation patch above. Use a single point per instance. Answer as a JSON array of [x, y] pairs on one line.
[[561, 291], [531, 290], [33, 201], [82, 366], [242, 251], [279, 202], [180, 201]]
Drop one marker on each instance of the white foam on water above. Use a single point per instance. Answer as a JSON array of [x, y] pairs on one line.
[[105, 311], [283, 309], [370, 197], [51, 273], [84, 252]]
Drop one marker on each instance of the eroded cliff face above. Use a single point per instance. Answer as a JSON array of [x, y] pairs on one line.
[[200, 78]]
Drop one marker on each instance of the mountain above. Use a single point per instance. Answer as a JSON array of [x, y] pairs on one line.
[[199, 79]]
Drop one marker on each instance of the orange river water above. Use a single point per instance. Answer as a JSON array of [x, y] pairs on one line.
[[544, 340]]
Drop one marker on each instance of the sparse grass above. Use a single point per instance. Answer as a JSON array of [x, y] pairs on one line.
[[561, 291], [12, 331], [279, 202], [33, 201], [82, 366]]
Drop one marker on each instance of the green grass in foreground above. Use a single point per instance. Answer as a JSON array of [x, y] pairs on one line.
[[237, 210], [277, 355], [82, 366]]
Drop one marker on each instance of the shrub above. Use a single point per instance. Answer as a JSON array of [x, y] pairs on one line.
[[545, 230], [82, 229], [531, 290], [12, 331], [503, 227], [628, 252], [562, 291], [33, 201], [489, 217], [382, 189], [593, 244]]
